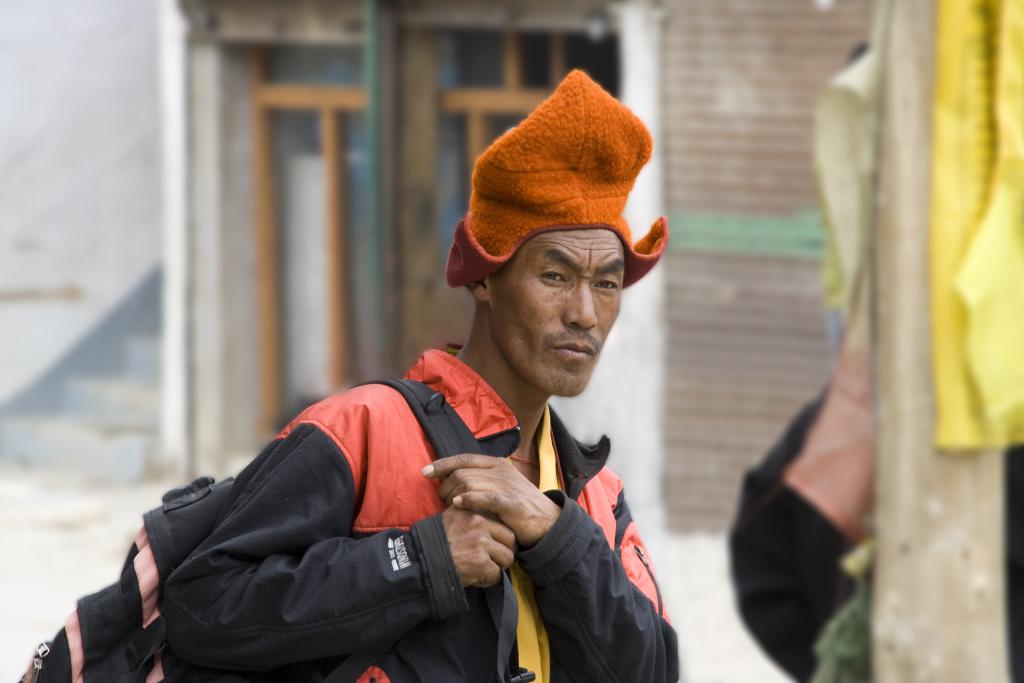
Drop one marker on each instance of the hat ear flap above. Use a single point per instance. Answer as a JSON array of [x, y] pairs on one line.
[[646, 253], [654, 241]]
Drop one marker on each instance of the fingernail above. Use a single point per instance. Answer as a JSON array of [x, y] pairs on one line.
[[457, 501], [427, 471]]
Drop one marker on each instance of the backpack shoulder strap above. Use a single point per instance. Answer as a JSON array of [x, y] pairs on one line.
[[448, 434]]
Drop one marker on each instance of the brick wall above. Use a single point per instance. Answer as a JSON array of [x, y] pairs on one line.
[[747, 348], [747, 345], [741, 77]]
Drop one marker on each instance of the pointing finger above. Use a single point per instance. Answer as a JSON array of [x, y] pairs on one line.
[[445, 466]]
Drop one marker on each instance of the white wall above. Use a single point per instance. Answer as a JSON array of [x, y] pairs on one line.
[[625, 397], [174, 423], [79, 170]]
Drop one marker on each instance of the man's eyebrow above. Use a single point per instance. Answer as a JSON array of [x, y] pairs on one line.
[[560, 256], [612, 267]]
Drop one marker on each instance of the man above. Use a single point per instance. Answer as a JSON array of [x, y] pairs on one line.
[[346, 535]]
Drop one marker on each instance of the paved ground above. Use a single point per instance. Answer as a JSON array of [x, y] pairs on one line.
[[713, 643], [63, 539]]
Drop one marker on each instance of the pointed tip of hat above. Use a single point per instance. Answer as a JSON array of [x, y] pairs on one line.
[[577, 75], [578, 78]]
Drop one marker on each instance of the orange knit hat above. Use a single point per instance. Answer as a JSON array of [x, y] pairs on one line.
[[569, 165]]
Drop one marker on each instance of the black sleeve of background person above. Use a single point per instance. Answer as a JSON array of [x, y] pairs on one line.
[[600, 625], [1015, 559], [785, 558], [279, 581]]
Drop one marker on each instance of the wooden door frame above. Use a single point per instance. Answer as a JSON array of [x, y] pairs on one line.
[[327, 102], [510, 98]]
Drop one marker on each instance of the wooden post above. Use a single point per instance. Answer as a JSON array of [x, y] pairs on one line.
[[417, 211], [939, 604]]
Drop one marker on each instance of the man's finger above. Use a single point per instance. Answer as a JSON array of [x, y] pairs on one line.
[[491, 576], [450, 488], [462, 481], [445, 466], [488, 501], [498, 531], [501, 555]]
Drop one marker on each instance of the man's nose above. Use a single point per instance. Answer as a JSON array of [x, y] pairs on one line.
[[581, 311]]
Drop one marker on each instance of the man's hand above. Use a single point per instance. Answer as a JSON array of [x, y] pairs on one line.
[[488, 484], [481, 546]]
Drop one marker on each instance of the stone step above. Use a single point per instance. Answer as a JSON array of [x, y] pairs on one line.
[[114, 402], [75, 445], [142, 358]]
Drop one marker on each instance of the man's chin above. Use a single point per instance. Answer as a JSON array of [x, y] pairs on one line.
[[570, 385]]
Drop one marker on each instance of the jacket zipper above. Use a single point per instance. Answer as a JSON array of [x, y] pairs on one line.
[[650, 573]]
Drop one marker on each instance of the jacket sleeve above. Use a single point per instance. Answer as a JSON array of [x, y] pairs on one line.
[[785, 568], [281, 580], [601, 625], [784, 558]]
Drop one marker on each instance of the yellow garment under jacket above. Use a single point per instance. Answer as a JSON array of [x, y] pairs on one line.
[[531, 636]]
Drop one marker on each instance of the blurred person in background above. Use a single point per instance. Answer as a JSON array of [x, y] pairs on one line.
[[344, 537], [804, 508], [786, 547]]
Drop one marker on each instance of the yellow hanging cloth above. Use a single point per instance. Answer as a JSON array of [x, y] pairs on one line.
[[531, 636], [991, 278], [977, 231]]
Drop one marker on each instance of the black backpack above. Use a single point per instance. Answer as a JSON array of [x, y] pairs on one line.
[[117, 634]]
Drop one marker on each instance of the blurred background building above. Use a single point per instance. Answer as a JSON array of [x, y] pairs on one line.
[[80, 233], [217, 211], [258, 196]]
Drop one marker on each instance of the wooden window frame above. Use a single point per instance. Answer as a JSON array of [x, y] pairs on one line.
[[328, 102], [476, 104]]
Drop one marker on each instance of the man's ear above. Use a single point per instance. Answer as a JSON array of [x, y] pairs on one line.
[[480, 290]]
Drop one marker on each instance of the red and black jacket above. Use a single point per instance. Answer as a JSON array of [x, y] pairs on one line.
[[332, 544]]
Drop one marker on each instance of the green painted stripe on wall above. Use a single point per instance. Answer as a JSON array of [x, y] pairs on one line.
[[801, 235]]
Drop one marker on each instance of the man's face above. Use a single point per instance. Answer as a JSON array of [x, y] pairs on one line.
[[553, 304]]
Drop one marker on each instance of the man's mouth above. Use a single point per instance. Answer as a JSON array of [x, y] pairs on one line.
[[576, 350]]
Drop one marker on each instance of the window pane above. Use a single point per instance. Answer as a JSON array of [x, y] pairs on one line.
[[471, 59], [315, 65], [535, 55], [359, 240], [300, 190], [452, 178], [599, 58]]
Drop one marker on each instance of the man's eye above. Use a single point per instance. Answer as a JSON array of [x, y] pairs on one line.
[[556, 277], [607, 284]]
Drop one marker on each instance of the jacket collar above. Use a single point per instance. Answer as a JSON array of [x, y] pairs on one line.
[[579, 462], [487, 415], [479, 405]]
